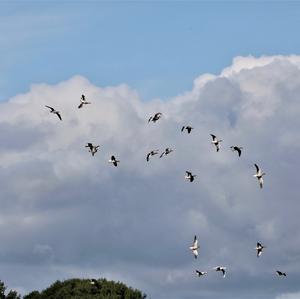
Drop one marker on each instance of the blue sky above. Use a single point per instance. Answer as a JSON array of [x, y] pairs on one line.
[[78, 216], [158, 48]]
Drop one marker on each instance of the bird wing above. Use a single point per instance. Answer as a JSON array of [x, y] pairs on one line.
[[239, 151], [261, 182], [257, 168], [182, 128], [52, 109], [80, 106], [148, 156], [59, 116], [213, 136], [195, 243], [163, 153]]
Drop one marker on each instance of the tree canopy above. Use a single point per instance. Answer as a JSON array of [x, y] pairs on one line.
[[84, 289]]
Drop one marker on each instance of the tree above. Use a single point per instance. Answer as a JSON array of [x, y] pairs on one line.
[[84, 289]]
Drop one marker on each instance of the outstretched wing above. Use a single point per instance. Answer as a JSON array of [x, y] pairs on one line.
[[52, 109], [257, 168], [59, 116]]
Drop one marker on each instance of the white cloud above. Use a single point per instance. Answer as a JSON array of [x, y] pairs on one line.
[[289, 296], [88, 217]]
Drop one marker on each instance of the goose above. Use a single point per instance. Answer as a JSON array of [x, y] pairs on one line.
[[280, 273], [114, 161], [222, 269], [194, 248], [166, 152], [83, 101], [52, 110], [215, 141], [259, 248], [236, 148], [259, 174], [155, 117], [93, 149], [188, 128], [150, 154], [200, 273], [95, 282], [189, 176]]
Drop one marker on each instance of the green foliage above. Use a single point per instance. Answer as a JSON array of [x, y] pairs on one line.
[[83, 289]]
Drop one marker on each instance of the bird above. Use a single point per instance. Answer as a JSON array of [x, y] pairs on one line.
[[52, 110], [155, 117], [166, 152], [189, 176], [114, 161], [280, 273], [83, 101], [95, 283], [188, 128], [195, 247], [259, 248], [93, 149], [259, 174], [200, 273], [216, 141], [236, 148], [150, 154], [222, 269]]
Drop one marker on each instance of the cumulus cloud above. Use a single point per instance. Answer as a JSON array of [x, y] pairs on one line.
[[65, 213]]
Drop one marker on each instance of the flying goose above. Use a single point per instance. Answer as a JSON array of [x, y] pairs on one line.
[[150, 154], [83, 101], [155, 117], [52, 110], [222, 269], [189, 176], [236, 148], [114, 161], [200, 273], [259, 174], [259, 249], [195, 247], [215, 141], [166, 152], [280, 273], [188, 128], [93, 149]]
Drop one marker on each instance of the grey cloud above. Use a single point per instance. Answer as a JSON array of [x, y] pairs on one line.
[[65, 213]]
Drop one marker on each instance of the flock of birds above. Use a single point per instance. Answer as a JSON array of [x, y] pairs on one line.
[[188, 176]]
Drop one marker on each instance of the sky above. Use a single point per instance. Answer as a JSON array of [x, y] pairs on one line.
[[226, 68]]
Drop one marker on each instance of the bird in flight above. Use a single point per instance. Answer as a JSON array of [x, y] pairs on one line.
[[194, 248], [216, 141], [155, 117], [259, 249], [114, 161], [52, 110], [166, 152], [280, 273], [259, 175], [188, 128], [189, 176], [200, 273], [93, 149], [83, 101], [150, 154], [221, 269], [236, 148]]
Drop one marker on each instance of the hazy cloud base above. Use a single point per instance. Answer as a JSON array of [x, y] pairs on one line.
[[65, 213]]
